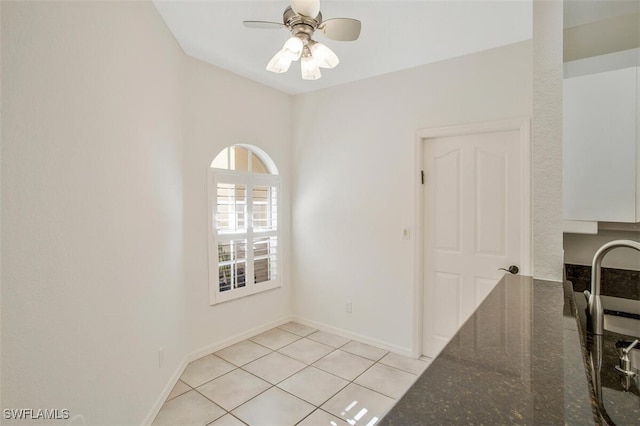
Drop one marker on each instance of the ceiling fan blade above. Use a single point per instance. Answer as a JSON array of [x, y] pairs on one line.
[[341, 29], [263, 25], [309, 8]]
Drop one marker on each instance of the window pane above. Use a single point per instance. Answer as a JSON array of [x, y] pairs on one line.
[[222, 160], [239, 159], [265, 254], [257, 166], [265, 208], [231, 207], [232, 261]]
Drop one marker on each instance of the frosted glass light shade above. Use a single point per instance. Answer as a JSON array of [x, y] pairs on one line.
[[309, 8], [309, 68], [324, 56], [293, 48], [279, 63]]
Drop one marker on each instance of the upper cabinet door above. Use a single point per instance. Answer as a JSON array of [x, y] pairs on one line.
[[600, 146]]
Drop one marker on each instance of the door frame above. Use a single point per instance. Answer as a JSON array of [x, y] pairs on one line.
[[422, 136]]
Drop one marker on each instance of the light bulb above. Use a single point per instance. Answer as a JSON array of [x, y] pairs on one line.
[[279, 63], [324, 56], [309, 68], [293, 48], [309, 8]]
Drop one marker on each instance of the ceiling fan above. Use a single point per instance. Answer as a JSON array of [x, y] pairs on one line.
[[303, 19]]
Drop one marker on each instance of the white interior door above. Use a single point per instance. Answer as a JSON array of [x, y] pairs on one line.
[[472, 225]]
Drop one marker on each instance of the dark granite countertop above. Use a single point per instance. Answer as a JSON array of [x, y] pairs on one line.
[[516, 361]]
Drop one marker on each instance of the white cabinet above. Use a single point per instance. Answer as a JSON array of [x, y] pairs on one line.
[[601, 146]]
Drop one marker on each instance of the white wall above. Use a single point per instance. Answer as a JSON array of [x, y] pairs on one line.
[[92, 283], [546, 140], [107, 133], [353, 166], [1, 315], [223, 109]]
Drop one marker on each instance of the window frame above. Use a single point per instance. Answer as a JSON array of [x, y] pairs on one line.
[[250, 180]]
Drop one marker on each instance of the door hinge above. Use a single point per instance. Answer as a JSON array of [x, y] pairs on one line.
[[422, 176]]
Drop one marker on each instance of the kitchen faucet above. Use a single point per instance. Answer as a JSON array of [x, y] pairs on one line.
[[595, 309]]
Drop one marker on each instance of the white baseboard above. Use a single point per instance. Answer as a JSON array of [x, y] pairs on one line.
[[199, 354], [221, 344], [354, 336], [235, 339], [155, 409]]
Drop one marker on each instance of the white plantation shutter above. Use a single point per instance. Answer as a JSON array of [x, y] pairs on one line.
[[244, 214], [231, 225], [231, 207], [265, 232]]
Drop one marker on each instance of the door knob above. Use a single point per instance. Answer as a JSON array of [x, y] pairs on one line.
[[513, 269]]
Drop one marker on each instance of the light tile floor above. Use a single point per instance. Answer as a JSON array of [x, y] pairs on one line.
[[290, 375]]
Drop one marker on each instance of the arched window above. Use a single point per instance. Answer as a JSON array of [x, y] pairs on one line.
[[244, 188]]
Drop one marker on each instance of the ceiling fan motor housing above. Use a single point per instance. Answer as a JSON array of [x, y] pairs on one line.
[[301, 26]]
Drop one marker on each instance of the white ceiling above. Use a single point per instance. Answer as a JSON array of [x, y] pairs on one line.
[[395, 35]]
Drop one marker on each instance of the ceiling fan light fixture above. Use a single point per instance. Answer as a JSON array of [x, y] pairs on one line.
[[302, 18], [293, 48], [309, 8], [309, 67], [279, 63], [323, 56]]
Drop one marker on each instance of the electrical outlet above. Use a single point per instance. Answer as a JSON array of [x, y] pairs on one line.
[[160, 357], [348, 306], [406, 234]]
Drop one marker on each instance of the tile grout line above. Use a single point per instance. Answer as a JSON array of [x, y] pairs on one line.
[[169, 399], [254, 375], [306, 366], [229, 413], [316, 407]]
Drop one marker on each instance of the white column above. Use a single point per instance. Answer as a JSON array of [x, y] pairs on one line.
[[547, 139]]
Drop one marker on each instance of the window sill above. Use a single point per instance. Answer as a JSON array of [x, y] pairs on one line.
[[237, 293]]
